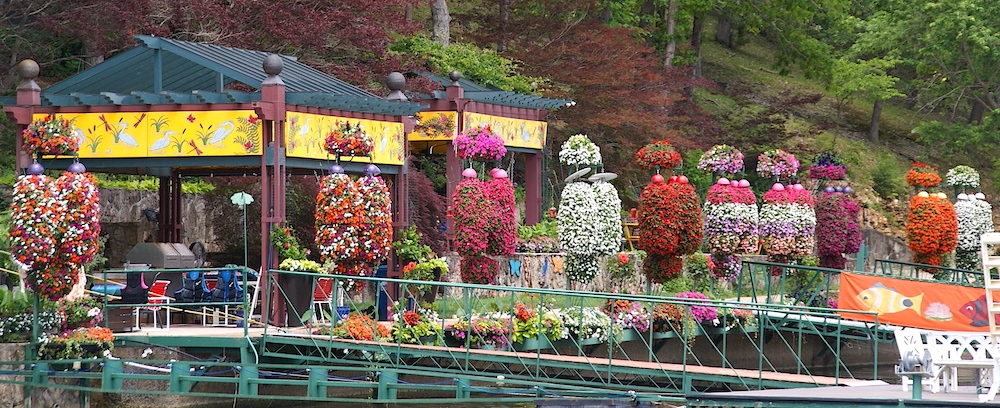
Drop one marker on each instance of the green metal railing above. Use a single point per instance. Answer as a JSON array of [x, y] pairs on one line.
[[680, 359], [749, 346], [777, 283], [907, 270]]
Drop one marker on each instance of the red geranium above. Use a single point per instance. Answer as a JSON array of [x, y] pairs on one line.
[[659, 153], [670, 221], [660, 269]]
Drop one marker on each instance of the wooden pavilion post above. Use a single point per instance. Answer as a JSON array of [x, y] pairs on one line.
[[29, 96], [533, 189], [271, 110]]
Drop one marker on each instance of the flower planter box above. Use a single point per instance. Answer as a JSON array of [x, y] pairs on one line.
[[535, 343]]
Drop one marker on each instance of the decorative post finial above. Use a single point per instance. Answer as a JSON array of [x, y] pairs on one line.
[[454, 90], [395, 81], [28, 71], [272, 67]]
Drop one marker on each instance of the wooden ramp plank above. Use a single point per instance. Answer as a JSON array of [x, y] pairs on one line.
[[648, 365]]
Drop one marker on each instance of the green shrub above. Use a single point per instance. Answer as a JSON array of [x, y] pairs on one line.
[[887, 180]]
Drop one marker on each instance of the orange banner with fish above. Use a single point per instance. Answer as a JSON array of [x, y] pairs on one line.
[[909, 303]]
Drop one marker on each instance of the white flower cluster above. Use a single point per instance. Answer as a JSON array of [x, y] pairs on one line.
[[975, 218], [962, 176], [578, 150], [578, 233], [575, 219], [731, 227], [787, 229], [609, 224], [589, 322]]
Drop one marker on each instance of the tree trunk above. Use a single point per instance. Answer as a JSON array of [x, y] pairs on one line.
[[696, 29], [440, 22], [876, 118], [647, 14], [723, 31], [504, 24], [668, 60], [976, 116]]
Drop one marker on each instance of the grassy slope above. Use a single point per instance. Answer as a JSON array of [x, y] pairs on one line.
[[751, 82]]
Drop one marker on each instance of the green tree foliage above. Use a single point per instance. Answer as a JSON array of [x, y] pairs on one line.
[[790, 26], [483, 66]]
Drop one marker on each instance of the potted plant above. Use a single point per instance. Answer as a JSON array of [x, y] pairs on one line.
[[628, 314], [87, 342], [429, 270], [536, 328], [409, 248], [16, 315], [418, 326], [589, 325], [356, 326], [486, 332], [83, 312]]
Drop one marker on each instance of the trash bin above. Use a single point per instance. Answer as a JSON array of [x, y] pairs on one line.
[[382, 300]]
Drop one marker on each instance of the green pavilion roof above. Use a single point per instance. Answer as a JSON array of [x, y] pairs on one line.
[[165, 71], [496, 96]]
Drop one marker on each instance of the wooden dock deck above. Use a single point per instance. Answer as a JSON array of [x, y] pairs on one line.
[[859, 394]]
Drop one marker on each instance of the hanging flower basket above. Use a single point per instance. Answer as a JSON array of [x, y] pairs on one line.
[[963, 177], [50, 135], [828, 166], [35, 213], [480, 269], [731, 218], [608, 221], [922, 175], [787, 222], [659, 154], [931, 228], [579, 234], [79, 242], [480, 143], [723, 159], [339, 220], [376, 220], [579, 151], [471, 210], [670, 219], [837, 229], [349, 140], [777, 163]]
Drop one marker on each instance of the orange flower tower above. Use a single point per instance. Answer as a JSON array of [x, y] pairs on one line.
[[932, 226]]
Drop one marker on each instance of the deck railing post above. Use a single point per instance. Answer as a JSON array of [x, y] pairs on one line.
[[317, 382], [179, 370]]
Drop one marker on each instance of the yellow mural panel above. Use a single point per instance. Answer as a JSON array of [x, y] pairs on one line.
[[305, 133], [429, 122], [515, 132], [166, 134]]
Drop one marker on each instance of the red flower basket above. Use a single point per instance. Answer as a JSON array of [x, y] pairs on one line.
[[659, 153], [670, 219]]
